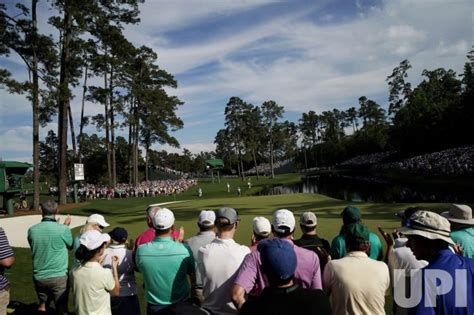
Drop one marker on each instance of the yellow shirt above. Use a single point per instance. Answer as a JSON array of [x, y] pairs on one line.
[[356, 284], [91, 284]]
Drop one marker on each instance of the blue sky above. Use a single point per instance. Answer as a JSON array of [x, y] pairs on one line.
[[305, 55]]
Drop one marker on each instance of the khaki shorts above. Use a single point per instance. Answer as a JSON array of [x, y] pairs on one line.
[[55, 289]]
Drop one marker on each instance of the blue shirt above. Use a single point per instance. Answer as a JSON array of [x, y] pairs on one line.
[[445, 304]]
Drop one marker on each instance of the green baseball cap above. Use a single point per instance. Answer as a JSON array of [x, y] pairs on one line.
[[351, 215]]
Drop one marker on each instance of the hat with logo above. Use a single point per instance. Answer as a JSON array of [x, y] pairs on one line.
[[119, 234], [206, 218], [261, 226], [308, 219], [227, 213], [351, 215], [428, 224], [278, 258], [97, 219], [283, 221], [93, 239], [163, 219], [459, 214]]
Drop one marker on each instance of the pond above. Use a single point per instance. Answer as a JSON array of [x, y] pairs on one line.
[[366, 188]]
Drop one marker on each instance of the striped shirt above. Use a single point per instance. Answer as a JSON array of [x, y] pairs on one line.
[[5, 252]]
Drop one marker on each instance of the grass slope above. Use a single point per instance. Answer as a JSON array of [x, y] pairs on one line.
[[129, 213]]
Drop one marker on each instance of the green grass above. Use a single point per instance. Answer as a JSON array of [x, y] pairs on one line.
[[129, 213]]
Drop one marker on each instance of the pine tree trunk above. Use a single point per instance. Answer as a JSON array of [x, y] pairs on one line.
[[112, 130], [81, 124], [107, 131], [146, 162], [271, 158], [255, 163], [73, 134], [130, 144], [35, 103], [64, 100]]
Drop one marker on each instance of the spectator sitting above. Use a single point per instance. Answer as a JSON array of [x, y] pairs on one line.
[[428, 237], [283, 296], [356, 283], [352, 215], [261, 230], [91, 283], [127, 302], [205, 236], [310, 239], [462, 228]]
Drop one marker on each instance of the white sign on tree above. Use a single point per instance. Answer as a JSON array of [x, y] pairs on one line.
[[78, 171]]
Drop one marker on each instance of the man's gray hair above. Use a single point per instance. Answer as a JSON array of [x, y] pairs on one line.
[[49, 207]]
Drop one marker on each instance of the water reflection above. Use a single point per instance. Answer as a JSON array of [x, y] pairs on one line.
[[363, 188]]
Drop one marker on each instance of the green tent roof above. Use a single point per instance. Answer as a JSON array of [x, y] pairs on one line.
[[215, 163], [14, 164]]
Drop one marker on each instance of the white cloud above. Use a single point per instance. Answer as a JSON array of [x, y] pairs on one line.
[[195, 148]]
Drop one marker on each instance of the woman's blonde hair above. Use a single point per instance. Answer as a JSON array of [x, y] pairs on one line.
[[89, 227]]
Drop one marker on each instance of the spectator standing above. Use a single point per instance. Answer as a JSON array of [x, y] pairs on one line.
[[250, 278], [462, 228], [166, 266], [149, 234], [92, 284], [7, 259], [310, 239], [429, 238], [262, 229], [351, 215], [49, 242], [127, 302], [356, 283], [94, 222], [400, 257], [218, 263], [205, 236], [228, 187], [283, 296]]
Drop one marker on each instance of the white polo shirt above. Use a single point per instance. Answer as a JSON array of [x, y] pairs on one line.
[[218, 263], [91, 284], [356, 284]]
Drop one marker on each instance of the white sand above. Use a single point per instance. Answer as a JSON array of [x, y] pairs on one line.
[[16, 228]]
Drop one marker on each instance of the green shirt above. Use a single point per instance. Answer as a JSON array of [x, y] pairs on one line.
[[465, 238], [165, 265], [338, 247], [49, 242]]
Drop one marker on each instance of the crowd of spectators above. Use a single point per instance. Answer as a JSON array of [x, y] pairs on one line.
[[277, 274], [367, 159], [266, 168], [457, 161], [121, 190]]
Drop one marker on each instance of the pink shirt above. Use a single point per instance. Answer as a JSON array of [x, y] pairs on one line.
[[307, 274], [149, 235]]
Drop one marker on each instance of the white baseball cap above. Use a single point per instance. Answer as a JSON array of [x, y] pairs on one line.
[[308, 219], [93, 239], [283, 220], [207, 218], [97, 218], [163, 219], [261, 226]]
